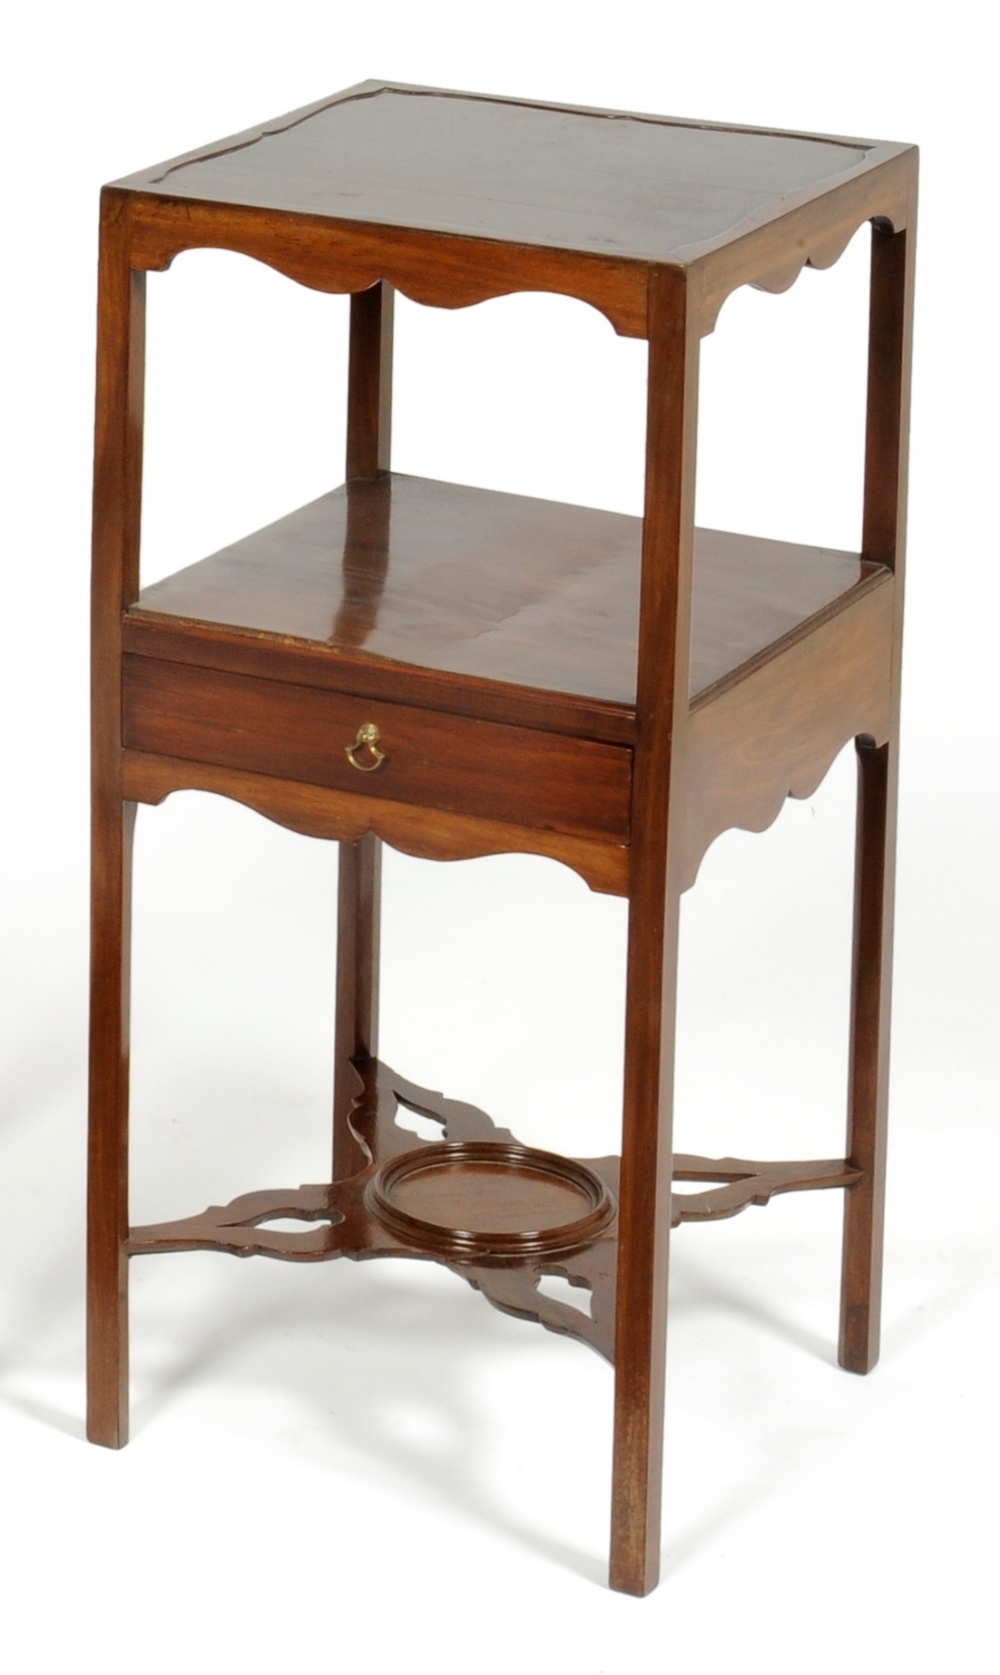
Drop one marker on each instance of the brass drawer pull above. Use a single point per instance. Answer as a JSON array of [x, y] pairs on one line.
[[367, 739]]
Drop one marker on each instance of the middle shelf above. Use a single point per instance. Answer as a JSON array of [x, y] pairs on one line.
[[489, 641], [484, 589]]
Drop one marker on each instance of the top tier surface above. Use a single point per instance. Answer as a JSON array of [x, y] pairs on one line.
[[618, 184]]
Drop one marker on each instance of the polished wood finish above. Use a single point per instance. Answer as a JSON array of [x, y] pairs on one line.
[[369, 386], [553, 1215], [485, 1198], [864, 1211], [431, 834], [449, 227], [305, 664], [464, 673], [359, 879], [341, 1219], [359, 908], [483, 768], [773, 733], [646, 188], [495, 588], [746, 1182], [663, 685], [890, 338], [117, 491]]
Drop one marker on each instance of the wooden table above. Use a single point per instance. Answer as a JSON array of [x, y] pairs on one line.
[[460, 673]]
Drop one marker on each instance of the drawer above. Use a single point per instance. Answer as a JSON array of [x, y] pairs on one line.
[[521, 775]]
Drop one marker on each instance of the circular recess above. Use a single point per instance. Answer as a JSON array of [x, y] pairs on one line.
[[486, 1198]]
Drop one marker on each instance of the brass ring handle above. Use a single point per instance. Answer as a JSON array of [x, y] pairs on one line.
[[367, 739]]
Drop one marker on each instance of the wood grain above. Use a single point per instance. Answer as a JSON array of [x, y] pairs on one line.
[[369, 386], [435, 269], [115, 583], [450, 763], [427, 833], [654, 896], [551, 1215], [774, 733], [359, 915], [359, 876], [302, 664], [744, 1182], [814, 232], [454, 197], [522, 172], [605, 691], [342, 1219], [423, 575], [889, 359]]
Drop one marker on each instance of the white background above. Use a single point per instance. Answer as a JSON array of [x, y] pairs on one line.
[[341, 1462]]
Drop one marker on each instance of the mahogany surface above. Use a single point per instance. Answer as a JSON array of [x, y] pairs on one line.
[[774, 733], [496, 587], [517, 675], [438, 1198], [359, 874], [431, 833], [648, 188], [890, 337], [534, 219], [578, 786], [487, 1197]]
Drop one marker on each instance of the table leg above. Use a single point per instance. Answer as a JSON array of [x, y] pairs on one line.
[[869, 1071], [359, 903], [884, 539], [107, 1261], [369, 425], [117, 494], [643, 1242], [654, 902]]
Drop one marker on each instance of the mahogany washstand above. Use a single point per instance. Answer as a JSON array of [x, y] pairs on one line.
[[461, 673]]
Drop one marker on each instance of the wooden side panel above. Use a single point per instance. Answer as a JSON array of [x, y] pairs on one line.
[[814, 233], [432, 268], [425, 832], [775, 733], [368, 678]]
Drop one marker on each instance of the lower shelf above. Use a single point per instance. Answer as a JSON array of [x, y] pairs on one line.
[[502, 1215]]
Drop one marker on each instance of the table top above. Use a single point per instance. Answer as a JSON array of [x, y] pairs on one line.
[[618, 184]]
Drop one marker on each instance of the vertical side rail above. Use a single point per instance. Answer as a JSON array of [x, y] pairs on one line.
[[369, 423], [369, 382], [654, 895], [117, 496], [889, 349]]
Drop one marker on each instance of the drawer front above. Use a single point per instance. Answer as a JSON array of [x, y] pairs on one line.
[[484, 768]]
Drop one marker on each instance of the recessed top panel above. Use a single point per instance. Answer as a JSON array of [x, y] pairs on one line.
[[629, 186]]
